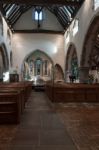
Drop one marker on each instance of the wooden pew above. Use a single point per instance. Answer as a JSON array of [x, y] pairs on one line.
[[26, 86], [49, 89], [73, 92], [12, 100], [10, 107], [13, 90]]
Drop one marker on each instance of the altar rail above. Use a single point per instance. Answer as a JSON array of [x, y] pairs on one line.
[[62, 92]]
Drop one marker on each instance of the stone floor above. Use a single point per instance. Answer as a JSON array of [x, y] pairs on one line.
[[46, 126], [82, 124]]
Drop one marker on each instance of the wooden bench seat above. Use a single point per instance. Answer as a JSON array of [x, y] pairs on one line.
[[15, 90], [27, 87], [10, 107], [12, 100], [63, 93]]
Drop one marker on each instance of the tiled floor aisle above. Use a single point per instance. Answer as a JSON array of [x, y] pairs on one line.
[[53, 127], [40, 128]]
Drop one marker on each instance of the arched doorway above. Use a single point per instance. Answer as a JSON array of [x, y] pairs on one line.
[[37, 63], [71, 67], [58, 73], [90, 53]]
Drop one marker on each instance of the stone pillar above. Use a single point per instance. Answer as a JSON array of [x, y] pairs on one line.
[[35, 72], [1, 74], [83, 74], [43, 67], [67, 74], [33, 69]]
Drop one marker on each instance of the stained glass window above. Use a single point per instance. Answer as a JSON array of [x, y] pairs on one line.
[[74, 67]]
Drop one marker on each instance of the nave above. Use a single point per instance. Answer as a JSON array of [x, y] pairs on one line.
[[47, 126]]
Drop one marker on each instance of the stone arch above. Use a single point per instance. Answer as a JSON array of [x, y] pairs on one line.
[[1, 25], [58, 73], [90, 51], [33, 57], [90, 42], [4, 63], [71, 57], [5, 57], [11, 58], [37, 50], [9, 36]]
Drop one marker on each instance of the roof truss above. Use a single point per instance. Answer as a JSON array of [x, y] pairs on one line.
[[64, 10]]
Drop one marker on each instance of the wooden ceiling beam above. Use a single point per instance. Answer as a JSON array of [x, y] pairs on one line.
[[39, 31], [43, 2]]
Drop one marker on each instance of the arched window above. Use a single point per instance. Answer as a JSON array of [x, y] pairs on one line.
[[38, 65]]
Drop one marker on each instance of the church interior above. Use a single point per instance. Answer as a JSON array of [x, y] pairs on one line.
[[49, 75]]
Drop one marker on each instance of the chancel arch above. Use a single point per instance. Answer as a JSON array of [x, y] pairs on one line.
[[90, 52], [58, 73], [71, 66], [37, 63]]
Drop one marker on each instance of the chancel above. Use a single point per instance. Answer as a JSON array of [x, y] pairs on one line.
[[49, 75]]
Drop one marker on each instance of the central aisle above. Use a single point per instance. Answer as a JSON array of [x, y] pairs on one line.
[[41, 127]]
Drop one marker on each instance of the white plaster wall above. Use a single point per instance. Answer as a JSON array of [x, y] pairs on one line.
[[51, 44], [85, 15], [23, 44], [26, 22]]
